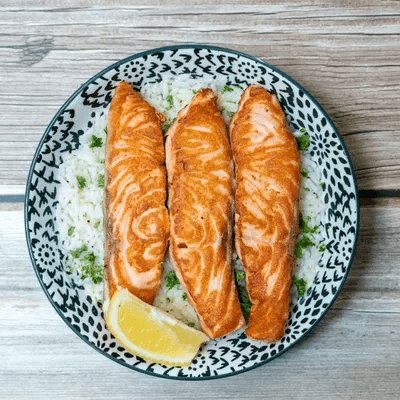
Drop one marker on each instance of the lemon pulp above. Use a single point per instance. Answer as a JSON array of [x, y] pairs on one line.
[[150, 333]]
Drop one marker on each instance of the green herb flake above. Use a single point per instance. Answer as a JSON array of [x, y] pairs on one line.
[[305, 228], [105, 130], [168, 299], [302, 130], [239, 275], [307, 189], [71, 230], [244, 302], [301, 245], [96, 142], [81, 182], [77, 252], [194, 91], [93, 271], [170, 101], [165, 127], [171, 280], [322, 184], [97, 224], [304, 173], [322, 248], [90, 268], [191, 324], [301, 285], [231, 101], [303, 141], [184, 296], [100, 181], [90, 258], [226, 88], [230, 113]]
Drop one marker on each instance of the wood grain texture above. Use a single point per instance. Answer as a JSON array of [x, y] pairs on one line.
[[347, 54], [352, 354]]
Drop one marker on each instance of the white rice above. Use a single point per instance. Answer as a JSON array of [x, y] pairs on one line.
[[81, 210]]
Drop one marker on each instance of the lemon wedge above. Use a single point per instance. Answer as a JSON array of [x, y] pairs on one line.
[[151, 333]]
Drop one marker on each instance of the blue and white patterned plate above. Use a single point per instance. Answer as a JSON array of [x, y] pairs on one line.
[[235, 353]]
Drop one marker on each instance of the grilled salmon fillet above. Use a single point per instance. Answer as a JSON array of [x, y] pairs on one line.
[[201, 204], [267, 165], [136, 219]]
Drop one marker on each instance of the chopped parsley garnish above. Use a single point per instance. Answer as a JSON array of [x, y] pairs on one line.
[[171, 280], [168, 299], [301, 245], [105, 130], [303, 141], [239, 275], [301, 285], [170, 101], [95, 272], [231, 101], [81, 182], [96, 225], [322, 184], [90, 268], [100, 181], [306, 228], [322, 248], [165, 127], [226, 88], [191, 324], [244, 302], [194, 91], [71, 230], [184, 296], [96, 142], [77, 252], [230, 113], [307, 189], [302, 130], [90, 258], [304, 173]]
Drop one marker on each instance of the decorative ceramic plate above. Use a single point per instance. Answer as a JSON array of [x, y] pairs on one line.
[[234, 353]]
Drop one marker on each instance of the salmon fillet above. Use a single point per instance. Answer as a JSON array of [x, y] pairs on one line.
[[267, 162], [136, 219], [201, 204]]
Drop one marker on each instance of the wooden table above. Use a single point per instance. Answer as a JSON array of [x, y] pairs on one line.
[[347, 54]]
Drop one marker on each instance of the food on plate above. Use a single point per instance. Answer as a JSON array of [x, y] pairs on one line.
[[151, 333], [201, 205], [81, 201], [267, 162], [136, 219]]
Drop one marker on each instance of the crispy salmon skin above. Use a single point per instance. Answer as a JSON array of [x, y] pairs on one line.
[[267, 162], [136, 219], [201, 204]]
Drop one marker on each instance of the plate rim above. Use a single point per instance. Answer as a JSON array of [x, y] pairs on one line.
[[163, 49]]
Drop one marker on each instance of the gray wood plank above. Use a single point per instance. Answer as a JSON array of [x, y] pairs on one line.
[[346, 55], [352, 354]]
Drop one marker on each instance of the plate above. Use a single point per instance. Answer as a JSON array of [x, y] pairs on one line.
[[234, 353]]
